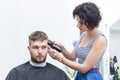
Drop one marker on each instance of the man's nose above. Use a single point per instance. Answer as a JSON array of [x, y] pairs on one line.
[[39, 50]]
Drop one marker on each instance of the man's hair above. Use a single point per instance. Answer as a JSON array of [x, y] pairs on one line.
[[89, 14], [38, 35]]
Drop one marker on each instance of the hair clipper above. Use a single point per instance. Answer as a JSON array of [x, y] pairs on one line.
[[50, 43]]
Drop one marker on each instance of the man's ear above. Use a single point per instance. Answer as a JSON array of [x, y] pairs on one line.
[[28, 47]]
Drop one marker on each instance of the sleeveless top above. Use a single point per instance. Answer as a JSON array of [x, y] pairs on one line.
[[82, 52]]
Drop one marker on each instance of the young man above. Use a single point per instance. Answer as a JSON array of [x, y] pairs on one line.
[[37, 68]]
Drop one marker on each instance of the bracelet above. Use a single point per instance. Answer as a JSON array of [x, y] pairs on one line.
[[62, 59]]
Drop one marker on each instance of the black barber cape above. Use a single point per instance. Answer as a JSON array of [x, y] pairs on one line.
[[28, 72]]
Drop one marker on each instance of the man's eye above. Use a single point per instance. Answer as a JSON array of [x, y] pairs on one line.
[[35, 47], [44, 47]]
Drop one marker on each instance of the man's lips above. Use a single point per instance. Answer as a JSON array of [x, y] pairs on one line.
[[39, 56]]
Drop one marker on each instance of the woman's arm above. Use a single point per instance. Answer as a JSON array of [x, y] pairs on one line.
[[69, 55], [92, 58]]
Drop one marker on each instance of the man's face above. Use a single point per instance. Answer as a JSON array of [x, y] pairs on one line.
[[38, 50]]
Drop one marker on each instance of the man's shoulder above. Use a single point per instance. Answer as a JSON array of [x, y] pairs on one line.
[[21, 67], [53, 67], [60, 73]]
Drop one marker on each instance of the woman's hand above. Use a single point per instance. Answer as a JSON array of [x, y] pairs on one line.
[[55, 55], [58, 44]]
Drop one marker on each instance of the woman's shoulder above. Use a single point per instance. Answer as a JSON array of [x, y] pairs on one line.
[[101, 40]]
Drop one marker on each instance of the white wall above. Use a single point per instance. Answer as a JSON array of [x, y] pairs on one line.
[[114, 47], [18, 18]]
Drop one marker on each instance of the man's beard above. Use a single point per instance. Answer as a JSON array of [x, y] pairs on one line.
[[36, 61]]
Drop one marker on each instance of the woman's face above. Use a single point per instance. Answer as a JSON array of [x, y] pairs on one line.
[[82, 27]]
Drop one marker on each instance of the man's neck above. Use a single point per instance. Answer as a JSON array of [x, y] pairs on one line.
[[38, 64]]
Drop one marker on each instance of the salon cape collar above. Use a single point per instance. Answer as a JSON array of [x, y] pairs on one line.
[[38, 64]]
